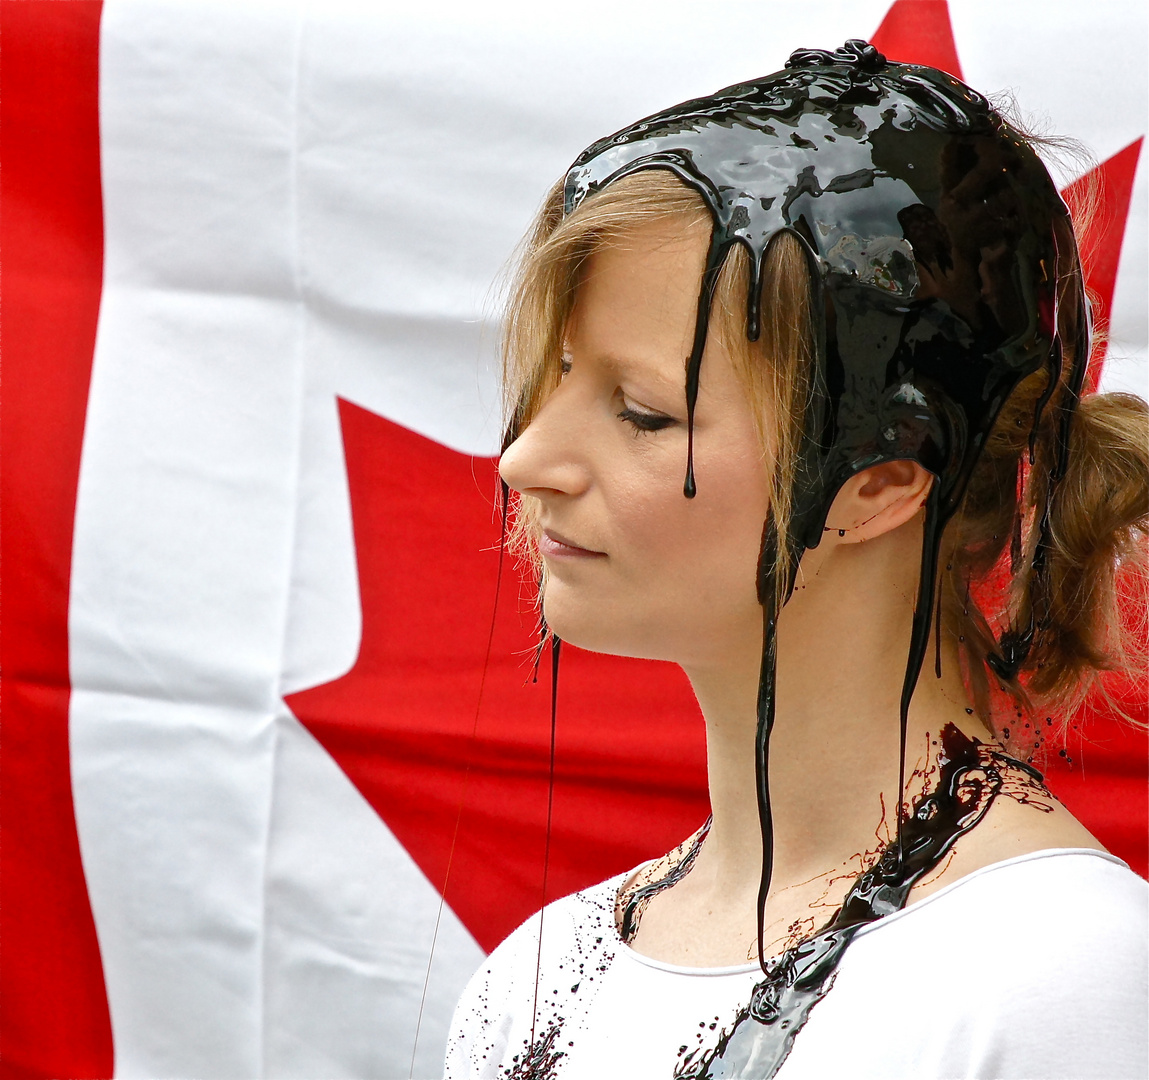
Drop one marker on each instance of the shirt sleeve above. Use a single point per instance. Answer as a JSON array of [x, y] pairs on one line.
[[489, 1009], [1060, 988]]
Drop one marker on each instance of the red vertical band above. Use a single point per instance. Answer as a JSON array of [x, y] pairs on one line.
[[52, 997]]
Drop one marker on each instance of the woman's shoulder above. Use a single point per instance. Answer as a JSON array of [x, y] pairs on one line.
[[571, 941], [1047, 905], [1034, 966], [1063, 879], [1042, 928], [569, 921]]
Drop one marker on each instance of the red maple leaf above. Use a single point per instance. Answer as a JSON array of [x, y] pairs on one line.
[[1101, 198], [919, 32]]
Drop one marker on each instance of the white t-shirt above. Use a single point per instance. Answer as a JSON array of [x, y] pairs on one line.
[[1033, 967]]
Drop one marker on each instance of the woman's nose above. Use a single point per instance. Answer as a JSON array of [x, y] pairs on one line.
[[547, 456]]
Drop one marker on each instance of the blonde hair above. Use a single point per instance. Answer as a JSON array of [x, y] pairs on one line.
[[1098, 518]]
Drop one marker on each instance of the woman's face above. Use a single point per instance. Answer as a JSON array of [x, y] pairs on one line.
[[633, 567]]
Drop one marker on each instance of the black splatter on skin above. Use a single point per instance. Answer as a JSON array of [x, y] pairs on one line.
[[959, 787], [633, 900]]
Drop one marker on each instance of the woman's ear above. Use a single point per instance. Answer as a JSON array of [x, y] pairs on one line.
[[877, 500]]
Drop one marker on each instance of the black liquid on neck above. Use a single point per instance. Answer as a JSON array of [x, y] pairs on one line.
[[970, 777]]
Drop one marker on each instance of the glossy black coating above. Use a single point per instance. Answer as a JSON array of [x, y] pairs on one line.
[[970, 777], [929, 229], [541, 1058], [636, 902], [767, 679], [556, 648]]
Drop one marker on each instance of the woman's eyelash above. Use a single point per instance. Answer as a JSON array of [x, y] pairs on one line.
[[643, 421]]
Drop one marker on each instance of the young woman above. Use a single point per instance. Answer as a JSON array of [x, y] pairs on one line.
[[793, 376]]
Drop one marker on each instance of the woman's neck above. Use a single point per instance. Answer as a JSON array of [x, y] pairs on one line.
[[842, 647]]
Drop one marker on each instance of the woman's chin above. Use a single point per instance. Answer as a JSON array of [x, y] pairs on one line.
[[595, 631], [579, 628]]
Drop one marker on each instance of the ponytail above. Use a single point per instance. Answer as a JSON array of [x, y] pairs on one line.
[[1087, 604], [1096, 551]]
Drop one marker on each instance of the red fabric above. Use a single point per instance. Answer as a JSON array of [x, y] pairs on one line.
[[52, 998], [404, 727], [1106, 781], [1111, 185], [919, 32], [1108, 785], [630, 775]]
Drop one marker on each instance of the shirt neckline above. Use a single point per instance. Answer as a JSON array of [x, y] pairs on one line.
[[623, 949]]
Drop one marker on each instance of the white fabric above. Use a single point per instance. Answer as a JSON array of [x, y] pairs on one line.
[[1033, 967]]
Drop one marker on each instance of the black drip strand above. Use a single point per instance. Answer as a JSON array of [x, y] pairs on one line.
[[938, 629], [504, 510], [504, 506], [715, 257], [766, 692], [1017, 642], [556, 645], [919, 635], [543, 634], [1016, 546], [765, 724], [1056, 360], [754, 297], [768, 597]]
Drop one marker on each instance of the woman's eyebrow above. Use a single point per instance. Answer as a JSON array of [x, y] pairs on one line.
[[648, 367]]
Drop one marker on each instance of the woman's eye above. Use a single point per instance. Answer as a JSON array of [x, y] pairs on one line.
[[645, 421]]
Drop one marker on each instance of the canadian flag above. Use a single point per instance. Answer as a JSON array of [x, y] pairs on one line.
[[275, 764]]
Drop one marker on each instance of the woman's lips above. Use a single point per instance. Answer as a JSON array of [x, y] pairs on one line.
[[554, 546]]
